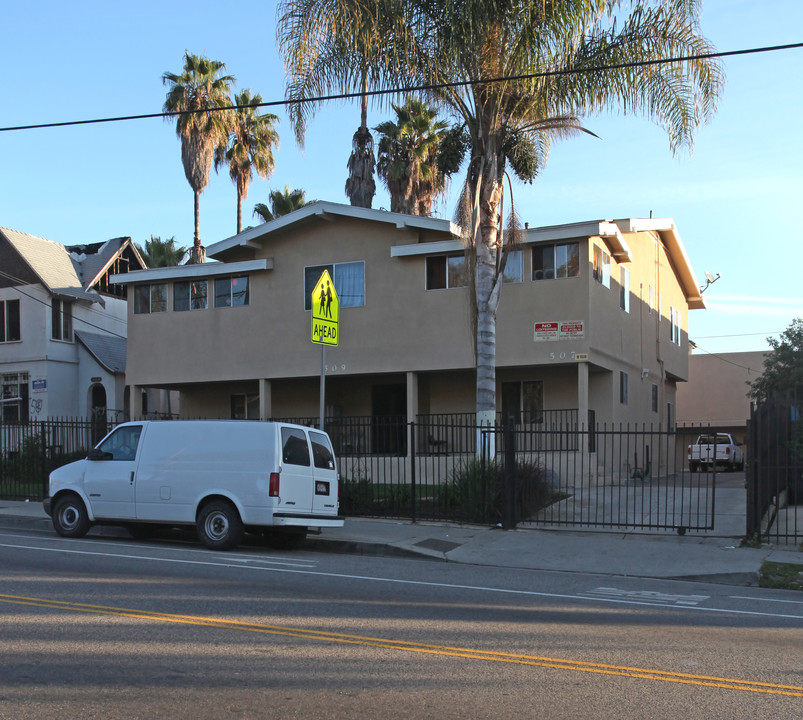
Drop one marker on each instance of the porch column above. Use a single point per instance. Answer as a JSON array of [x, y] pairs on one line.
[[412, 406], [135, 401], [582, 402], [265, 400]]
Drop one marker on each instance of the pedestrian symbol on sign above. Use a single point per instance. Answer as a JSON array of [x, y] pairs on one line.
[[325, 311]]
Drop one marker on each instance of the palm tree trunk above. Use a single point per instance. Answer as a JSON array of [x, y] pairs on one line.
[[239, 210], [488, 285], [196, 243]]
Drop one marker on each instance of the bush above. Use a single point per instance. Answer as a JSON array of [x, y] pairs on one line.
[[477, 491]]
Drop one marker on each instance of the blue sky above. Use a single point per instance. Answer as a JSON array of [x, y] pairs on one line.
[[736, 200]]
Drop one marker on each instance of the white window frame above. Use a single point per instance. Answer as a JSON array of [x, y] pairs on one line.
[[602, 266], [6, 316], [624, 288], [674, 325], [61, 320]]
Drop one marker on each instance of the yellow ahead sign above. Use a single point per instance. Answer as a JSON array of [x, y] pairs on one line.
[[325, 311]]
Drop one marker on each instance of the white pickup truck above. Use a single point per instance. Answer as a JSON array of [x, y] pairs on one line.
[[716, 449]]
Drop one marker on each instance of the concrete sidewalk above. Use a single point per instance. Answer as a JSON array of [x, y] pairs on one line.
[[706, 558]]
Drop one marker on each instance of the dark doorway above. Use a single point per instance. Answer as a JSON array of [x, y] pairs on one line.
[[511, 401], [99, 424], [388, 419]]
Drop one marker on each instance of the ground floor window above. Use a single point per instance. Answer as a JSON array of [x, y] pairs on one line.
[[15, 397], [244, 407], [523, 401], [623, 388]]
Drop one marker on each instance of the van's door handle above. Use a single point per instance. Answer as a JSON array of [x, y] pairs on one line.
[[132, 477]]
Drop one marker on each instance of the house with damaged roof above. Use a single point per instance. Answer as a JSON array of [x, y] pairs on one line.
[[63, 328]]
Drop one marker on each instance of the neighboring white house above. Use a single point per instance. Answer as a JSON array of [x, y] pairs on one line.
[[63, 328]]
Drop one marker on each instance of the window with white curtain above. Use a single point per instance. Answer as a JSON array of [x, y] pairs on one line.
[[349, 280]]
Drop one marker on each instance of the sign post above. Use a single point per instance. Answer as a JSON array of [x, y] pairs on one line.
[[325, 325]]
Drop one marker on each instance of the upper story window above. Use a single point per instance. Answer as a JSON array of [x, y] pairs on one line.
[[14, 388], [561, 260], [446, 271], [61, 319], [674, 325], [602, 266], [150, 298], [232, 292], [514, 267], [624, 289], [349, 279], [9, 320], [190, 295]]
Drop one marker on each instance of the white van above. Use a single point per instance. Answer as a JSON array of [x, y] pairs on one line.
[[222, 476]]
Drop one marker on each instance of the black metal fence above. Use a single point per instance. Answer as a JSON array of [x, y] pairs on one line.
[[551, 472], [775, 471], [547, 470], [30, 451]]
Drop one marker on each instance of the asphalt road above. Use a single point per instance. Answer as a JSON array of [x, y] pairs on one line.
[[106, 627]]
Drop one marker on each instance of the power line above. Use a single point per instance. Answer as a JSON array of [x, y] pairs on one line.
[[74, 318], [414, 88], [730, 362]]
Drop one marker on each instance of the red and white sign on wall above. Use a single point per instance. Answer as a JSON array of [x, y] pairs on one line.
[[571, 330], [545, 331], [563, 330]]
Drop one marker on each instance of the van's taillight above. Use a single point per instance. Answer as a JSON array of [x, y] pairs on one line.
[[274, 485]]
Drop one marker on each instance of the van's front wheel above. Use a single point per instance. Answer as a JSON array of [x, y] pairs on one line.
[[219, 525], [70, 518]]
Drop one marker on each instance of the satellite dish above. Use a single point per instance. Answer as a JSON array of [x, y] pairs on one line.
[[709, 276]]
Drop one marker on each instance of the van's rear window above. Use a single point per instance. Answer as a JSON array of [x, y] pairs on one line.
[[322, 451]]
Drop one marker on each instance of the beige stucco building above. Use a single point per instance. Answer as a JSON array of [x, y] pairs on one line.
[[592, 320], [716, 393]]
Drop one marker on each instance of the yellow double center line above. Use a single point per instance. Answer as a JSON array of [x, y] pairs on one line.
[[403, 645]]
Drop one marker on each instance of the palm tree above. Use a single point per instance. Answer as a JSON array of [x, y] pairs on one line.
[[199, 93], [281, 203], [335, 45], [250, 146], [162, 253], [532, 70], [409, 157]]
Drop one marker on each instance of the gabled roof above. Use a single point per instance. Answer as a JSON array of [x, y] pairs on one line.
[[325, 210], [72, 271], [108, 350], [95, 259], [50, 262]]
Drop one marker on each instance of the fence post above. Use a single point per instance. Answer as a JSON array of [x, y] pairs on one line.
[[509, 480], [45, 462], [412, 471]]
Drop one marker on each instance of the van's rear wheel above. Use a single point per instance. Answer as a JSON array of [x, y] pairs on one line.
[[219, 525], [70, 518]]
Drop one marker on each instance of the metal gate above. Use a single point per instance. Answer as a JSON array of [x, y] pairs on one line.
[[775, 470]]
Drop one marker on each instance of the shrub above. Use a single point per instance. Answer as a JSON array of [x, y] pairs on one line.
[[477, 491]]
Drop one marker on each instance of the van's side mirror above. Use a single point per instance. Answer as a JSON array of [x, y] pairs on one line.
[[96, 454]]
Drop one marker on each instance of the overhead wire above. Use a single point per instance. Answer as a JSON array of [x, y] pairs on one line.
[[415, 88]]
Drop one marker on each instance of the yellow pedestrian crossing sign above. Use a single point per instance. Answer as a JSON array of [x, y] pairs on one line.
[[325, 311]]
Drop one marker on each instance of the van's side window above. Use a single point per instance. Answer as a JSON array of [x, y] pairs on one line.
[[322, 451], [122, 444], [295, 450]]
